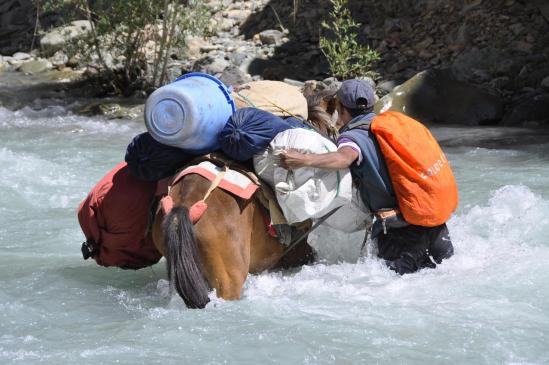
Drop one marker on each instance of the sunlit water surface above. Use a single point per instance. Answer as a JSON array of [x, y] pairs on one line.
[[488, 304]]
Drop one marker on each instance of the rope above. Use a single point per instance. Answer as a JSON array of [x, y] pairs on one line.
[[216, 182], [247, 100]]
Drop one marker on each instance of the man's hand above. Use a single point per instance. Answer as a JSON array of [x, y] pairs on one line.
[[292, 160]]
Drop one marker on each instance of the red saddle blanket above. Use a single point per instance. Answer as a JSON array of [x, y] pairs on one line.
[[234, 182]]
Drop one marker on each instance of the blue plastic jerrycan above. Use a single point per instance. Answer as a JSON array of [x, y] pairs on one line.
[[190, 112]]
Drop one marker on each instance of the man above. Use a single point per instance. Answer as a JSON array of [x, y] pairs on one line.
[[406, 248]]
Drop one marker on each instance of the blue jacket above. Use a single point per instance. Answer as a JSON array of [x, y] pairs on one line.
[[371, 176]]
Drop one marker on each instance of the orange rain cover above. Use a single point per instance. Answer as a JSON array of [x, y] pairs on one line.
[[423, 181]]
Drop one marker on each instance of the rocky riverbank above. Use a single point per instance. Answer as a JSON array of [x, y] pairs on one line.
[[457, 61]]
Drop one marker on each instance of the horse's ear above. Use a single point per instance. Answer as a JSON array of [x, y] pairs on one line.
[[332, 105]]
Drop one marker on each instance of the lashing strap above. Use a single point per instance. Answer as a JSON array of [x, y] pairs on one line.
[[197, 209]]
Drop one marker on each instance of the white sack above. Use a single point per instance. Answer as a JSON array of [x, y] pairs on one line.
[[310, 193]]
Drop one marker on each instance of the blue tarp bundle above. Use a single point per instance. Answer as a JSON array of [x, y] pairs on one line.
[[150, 160], [250, 130]]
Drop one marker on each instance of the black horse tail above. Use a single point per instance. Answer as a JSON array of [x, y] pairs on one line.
[[183, 260]]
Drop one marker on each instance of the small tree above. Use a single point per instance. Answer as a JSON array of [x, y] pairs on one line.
[[122, 29], [346, 57]]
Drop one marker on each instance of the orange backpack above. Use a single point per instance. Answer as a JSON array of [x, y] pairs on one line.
[[423, 181]]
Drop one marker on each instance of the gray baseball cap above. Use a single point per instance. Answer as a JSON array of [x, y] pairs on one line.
[[352, 90]]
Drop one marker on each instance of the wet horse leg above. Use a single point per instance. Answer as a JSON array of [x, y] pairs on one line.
[[223, 236]]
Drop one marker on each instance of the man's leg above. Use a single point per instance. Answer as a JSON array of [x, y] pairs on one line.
[[405, 250], [441, 245]]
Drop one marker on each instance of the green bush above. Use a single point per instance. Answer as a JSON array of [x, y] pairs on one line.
[[121, 31], [346, 57]]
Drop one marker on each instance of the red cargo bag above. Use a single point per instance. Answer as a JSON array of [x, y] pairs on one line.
[[115, 218]]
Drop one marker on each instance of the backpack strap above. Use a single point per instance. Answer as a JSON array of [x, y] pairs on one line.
[[363, 121]]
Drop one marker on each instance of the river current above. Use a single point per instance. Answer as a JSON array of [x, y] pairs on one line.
[[489, 304]]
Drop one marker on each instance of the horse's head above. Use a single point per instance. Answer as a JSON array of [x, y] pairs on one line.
[[322, 107]]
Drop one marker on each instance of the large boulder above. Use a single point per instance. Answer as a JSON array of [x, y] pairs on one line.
[[530, 110], [482, 65], [57, 38], [437, 96], [35, 66]]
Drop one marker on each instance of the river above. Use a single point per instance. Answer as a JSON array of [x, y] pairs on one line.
[[489, 304]]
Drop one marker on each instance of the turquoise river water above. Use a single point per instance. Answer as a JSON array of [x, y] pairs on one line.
[[489, 304]]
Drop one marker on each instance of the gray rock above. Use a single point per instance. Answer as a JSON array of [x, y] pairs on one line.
[[64, 75], [59, 59], [516, 28], [211, 65], [232, 75], [238, 15], [504, 67], [500, 83], [532, 76], [173, 71], [369, 80], [35, 66], [226, 24], [294, 82], [194, 46], [16, 64], [386, 87], [424, 44], [478, 62], [332, 81], [542, 5], [238, 58], [436, 96], [545, 83], [21, 56], [463, 36], [113, 110], [532, 110], [57, 38], [271, 36], [207, 48], [247, 63], [522, 46]]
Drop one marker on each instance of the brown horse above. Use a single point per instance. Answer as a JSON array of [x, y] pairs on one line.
[[228, 242]]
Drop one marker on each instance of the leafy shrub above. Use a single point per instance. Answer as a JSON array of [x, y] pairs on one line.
[[346, 57], [122, 30]]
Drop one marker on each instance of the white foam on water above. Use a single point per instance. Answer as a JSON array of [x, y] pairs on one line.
[[60, 118], [511, 231], [487, 304]]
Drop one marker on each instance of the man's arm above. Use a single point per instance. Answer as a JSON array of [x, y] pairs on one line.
[[338, 160]]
